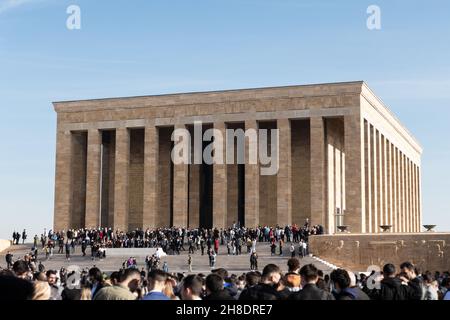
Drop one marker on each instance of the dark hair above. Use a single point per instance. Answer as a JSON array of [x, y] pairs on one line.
[[128, 273], [214, 282], [252, 278], [194, 283], [15, 288], [408, 265], [269, 269], [115, 276], [309, 272], [341, 277], [221, 272], [96, 274], [389, 269], [39, 276], [20, 267], [293, 264], [446, 282], [51, 272], [157, 275]]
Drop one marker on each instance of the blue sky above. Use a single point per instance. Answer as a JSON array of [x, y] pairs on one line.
[[141, 47]]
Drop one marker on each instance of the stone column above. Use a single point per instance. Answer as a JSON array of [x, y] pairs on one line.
[[220, 180], [419, 195], [374, 177], [318, 202], [194, 195], [368, 167], [251, 181], [284, 176], [151, 172], [93, 179], [407, 197], [394, 190], [402, 188], [411, 201], [389, 220], [413, 186], [63, 179], [121, 179], [180, 191], [354, 150], [380, 182]]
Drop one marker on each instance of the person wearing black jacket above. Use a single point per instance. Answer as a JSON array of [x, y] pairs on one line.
[[267, 288], [310, 291], [391, 287], [342, 287], [9, 260], [414, 283], [214, 288]]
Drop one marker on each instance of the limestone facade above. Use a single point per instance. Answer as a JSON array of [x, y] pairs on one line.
[[344, 159]]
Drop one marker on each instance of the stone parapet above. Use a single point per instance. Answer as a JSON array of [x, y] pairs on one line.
[[4, 244], [427, 250]]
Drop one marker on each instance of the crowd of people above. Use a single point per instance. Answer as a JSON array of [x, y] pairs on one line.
[[174, 240], [300, 283], [28, 278]]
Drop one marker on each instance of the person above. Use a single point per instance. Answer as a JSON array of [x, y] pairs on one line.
[[410, 277], [292, 281], [42, 291], [96, 280], [156, 284], [344, 289], [24, 236], [190, 263], [165, 267], [14, 288], [272, 247], [52, 280], [168, 289], [9, 260], [280, 243], [292, 250], [124, 290], [215, 288], [309, 277], [267, 288], [293, 265], [254, 261], [21, 269], [35, 241], [391, 287], [212, 258], [446, 284], [68, 251]]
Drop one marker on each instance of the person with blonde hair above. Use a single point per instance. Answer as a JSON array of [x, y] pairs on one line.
[[86, 293], [42, 291], [168, 290]]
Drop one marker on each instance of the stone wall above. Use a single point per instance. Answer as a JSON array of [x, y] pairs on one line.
[[427, 250], [4, 244]]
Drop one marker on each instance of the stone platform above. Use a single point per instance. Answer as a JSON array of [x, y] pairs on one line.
[[177, 263], [427, 250]]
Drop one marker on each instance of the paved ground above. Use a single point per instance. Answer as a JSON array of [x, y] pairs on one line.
[[176, 263]]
